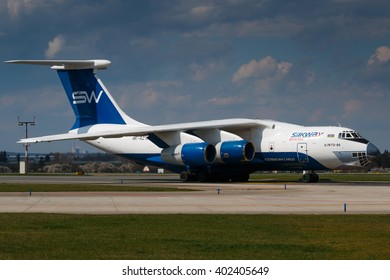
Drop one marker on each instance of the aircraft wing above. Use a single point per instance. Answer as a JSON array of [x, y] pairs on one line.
[[229, 125]]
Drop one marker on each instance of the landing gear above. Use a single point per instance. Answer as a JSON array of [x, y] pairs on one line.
[[186, 176], [204, 176], [240, 178], [310, 177]]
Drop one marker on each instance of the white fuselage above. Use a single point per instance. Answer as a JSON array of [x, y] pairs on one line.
[[281, 146]]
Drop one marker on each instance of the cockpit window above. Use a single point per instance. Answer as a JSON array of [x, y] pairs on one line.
[[349, 135]]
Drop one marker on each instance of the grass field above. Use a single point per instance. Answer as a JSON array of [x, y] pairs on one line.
[[56, 236]]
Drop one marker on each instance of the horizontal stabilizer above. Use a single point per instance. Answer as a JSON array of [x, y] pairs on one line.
[[67, 64]]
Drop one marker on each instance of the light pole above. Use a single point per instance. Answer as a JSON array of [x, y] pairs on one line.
[[21, 123]]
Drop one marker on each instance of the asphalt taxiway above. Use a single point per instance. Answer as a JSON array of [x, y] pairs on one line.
[[254, 197]]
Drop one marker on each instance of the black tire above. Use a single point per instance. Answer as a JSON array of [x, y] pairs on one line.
[[203, 177], [315, 178], [310, 178], [306, 178], [185, 176]]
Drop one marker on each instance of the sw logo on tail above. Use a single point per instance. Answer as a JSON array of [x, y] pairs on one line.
[[81, 97], [223, 150]]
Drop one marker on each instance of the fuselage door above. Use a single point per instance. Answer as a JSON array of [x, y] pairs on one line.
[[302, 152]]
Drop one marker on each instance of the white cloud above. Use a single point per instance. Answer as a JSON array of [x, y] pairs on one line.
[[7, 100], [264, 68], [376, 70], [15, 7], [143, 43], [225, 101], [352, 106], [18, 7], [201, 11], [316, 115], [279, 27], [311, 77], [150, 97], [55, 46], [146, 95], [200, 72], [381, 55]]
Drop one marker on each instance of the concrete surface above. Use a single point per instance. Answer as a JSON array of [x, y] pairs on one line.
[[240, 198]]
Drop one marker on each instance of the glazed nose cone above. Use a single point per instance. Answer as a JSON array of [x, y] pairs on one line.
[[372, 150]]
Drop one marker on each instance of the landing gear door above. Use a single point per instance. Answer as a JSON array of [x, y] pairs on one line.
[[302, 152]]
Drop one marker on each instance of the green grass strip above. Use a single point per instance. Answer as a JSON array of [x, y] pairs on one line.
[[57, 236]]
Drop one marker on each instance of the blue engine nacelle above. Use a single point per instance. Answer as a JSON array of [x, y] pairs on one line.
[[235, 151], [191, 154]]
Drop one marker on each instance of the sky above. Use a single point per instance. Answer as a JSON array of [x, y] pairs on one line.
[[304, 62]]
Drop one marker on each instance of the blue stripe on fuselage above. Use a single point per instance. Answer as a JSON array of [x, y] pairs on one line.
[[262, 161], [287, 161]]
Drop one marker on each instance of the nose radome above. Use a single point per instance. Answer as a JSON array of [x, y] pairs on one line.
[[372, 150]]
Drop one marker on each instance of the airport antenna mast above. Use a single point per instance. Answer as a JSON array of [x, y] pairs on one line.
[[26, 123]]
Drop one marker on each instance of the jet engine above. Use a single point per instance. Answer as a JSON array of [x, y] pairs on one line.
[[235, 151], [191, 154]]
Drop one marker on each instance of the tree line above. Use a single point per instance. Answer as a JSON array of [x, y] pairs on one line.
[[3, 156], [382, 161], [100, 162]]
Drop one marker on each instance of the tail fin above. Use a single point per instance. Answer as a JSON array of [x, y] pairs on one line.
[[91, 102], [89, 98]]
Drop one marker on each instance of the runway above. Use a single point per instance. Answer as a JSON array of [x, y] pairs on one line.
[[254, 197]]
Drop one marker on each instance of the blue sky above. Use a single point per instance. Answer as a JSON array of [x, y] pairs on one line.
[[304, 62]]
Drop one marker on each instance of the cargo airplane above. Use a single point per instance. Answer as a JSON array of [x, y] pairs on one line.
[[216, 150]]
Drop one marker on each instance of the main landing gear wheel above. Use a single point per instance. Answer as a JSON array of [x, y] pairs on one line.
[[310, 177], [204, 177], [186, 176]]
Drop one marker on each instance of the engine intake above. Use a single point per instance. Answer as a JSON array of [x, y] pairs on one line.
[[235, 151], [192, 154]]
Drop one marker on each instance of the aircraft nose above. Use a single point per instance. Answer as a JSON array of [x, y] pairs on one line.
[[372, 150]]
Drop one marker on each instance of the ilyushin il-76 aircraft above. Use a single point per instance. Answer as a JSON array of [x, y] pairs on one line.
[[216, 150]]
